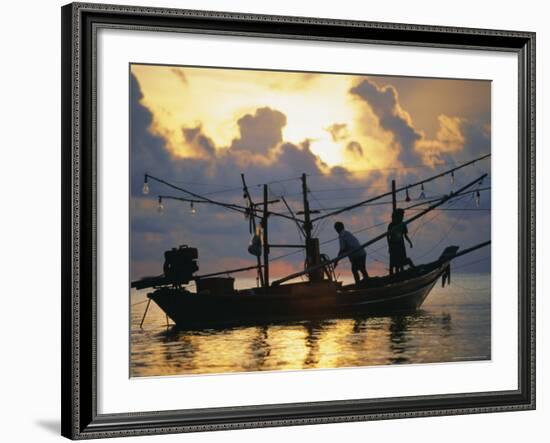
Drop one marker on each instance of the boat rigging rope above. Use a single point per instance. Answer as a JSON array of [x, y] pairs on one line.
[[384, 223], [384, 234], [464, 265], [331, 240], [451, 228], [397, 168], [446, 235], [421, 182], [436, 215], [319, 226], [281, 196]]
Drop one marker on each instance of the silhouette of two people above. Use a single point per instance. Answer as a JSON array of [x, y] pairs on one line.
[[357, 255], [397, 234]]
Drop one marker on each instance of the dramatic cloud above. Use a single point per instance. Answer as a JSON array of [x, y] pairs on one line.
[[391, 117], [188, 152], [199, 142], [449, 139], [455, 137], [260, 132]]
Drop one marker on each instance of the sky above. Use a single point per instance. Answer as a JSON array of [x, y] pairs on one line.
[[200, 128]]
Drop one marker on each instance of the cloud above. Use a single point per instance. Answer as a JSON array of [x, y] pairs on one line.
[[391, 117], [457, 138], [199, 142], [149, 153], [425, 98], [260, 132], [296, 159], [449, 139]]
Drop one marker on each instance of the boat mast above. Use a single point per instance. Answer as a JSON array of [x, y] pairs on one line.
[[265, 239], [253, 220], [313, 254], [307, 218]]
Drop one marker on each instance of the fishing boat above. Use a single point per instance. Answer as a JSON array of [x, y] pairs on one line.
[[214, 303], [298, 301]]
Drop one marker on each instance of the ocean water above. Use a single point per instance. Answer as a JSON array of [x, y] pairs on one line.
[[453, 324]]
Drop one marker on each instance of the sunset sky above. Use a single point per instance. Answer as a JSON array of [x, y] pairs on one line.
[[199, 128]]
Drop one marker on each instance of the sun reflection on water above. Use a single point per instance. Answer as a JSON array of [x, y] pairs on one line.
[[452, 326]]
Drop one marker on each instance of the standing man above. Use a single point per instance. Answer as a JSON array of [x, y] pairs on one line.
[[358, 258], [397, 234]]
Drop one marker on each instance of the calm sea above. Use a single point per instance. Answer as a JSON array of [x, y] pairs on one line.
[[454, 324]]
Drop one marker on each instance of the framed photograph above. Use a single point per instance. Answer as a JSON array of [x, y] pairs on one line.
[[273, 221]]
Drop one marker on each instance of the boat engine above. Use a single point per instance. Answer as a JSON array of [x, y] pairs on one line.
[[179, 265]]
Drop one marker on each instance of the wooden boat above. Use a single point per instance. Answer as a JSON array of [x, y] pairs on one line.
[[387, 295]]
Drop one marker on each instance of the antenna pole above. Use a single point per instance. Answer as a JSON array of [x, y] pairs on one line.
[[265, 239]]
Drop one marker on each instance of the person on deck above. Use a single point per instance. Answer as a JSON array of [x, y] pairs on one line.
[[357, 256], [397, 234]]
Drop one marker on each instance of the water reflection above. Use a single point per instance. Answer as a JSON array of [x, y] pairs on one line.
[[313, 333], [259, 347], [398, 339], [447, 329]]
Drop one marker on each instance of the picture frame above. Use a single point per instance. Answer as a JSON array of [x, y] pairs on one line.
[[80, 176]]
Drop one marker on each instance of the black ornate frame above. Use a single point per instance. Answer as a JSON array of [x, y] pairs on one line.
[[79, 392]]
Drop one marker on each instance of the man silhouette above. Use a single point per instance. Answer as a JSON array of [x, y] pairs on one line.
[[357, 255], [397, 234]]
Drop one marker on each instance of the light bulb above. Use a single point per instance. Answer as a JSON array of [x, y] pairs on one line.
[[478, 199], [422, 195], [160, 207], [145, 188], [193, 210]]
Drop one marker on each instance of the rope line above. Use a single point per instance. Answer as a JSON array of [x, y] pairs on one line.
[[396, 168], [471, 263]]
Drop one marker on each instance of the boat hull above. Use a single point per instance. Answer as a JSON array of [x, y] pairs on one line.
[[294, 302]]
